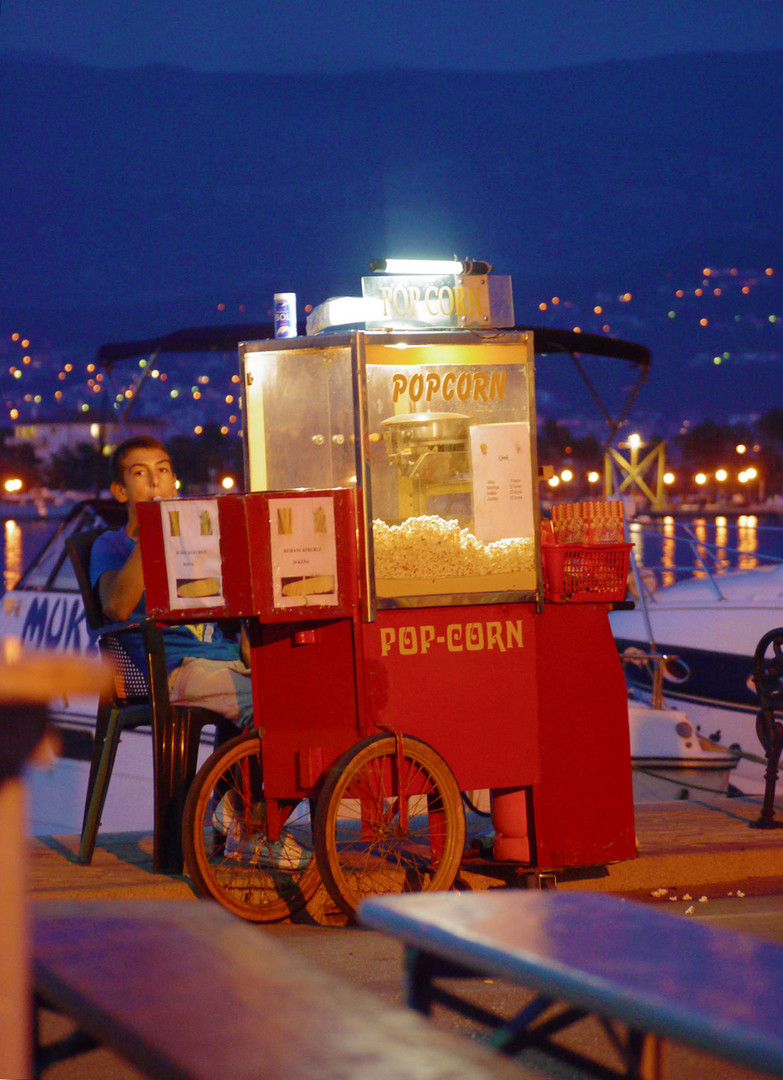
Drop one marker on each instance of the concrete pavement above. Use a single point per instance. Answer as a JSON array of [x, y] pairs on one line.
[[692, 844], [703, 846]]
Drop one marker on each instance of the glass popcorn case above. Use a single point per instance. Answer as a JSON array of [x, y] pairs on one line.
[[435, 431]]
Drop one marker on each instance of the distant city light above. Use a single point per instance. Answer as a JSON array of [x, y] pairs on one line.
[[700, 478], [13, 485], [669, 478], [593, 477], [721, 475], [566, 476], [227, 483]]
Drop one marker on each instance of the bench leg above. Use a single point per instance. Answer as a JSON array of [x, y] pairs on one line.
[[651, 1057], [643, 1052], [75, 1044]]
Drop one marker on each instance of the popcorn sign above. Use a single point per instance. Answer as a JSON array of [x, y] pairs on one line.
[[456, 637], [449, 300]]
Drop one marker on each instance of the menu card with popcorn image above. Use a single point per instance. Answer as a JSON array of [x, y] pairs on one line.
[[502, 481], [304, 552], [191, 540]]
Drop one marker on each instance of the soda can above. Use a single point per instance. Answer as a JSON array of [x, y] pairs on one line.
[[285, 314]]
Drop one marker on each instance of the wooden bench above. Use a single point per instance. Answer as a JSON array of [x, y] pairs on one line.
[[646, 974], [184, 991]]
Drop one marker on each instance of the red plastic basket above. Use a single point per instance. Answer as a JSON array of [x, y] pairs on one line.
[[585, 573]]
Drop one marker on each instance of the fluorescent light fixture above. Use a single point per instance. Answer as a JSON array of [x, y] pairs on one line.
[[429, 266]]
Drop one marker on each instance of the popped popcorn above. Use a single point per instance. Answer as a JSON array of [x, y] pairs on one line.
[[432, 547]]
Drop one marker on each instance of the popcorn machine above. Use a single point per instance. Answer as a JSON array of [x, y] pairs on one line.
[[387, 560], [435, 433]]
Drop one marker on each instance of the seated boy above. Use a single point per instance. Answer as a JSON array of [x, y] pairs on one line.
[[205, 668]]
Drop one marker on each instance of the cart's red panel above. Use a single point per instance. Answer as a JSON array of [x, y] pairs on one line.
[[583, 803], [261, 565], [305, 703], [463, 679]]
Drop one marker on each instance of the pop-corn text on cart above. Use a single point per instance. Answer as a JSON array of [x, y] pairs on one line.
[[409, 641]]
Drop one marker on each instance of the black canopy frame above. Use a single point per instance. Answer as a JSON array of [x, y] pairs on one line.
[[547, 341]]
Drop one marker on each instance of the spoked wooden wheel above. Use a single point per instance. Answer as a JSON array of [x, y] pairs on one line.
[[228, 854], [389, 820]]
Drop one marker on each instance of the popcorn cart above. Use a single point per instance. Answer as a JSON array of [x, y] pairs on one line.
[[387, 562]]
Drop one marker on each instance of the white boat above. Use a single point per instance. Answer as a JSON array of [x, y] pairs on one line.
[[44, 611], [670, 760], [708, 626]]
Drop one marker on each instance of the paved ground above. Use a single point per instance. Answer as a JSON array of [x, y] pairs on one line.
[[702, 847], [687, 844]]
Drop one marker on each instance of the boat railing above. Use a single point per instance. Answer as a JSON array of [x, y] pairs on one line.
[[709, 560], [659, 666]]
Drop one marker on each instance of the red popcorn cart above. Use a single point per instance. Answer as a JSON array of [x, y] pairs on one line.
[[386, 562]]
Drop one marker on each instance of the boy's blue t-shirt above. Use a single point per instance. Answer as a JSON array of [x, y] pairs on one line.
[[110, 551]]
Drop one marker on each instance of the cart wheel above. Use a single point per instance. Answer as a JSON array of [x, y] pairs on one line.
[[388, 826], [227, 854]]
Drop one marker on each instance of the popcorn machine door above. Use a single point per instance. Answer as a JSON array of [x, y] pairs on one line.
[[452, 467]]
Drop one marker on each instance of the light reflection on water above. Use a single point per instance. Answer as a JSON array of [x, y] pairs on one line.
[[20, 541], [718, 543], [13, 554]]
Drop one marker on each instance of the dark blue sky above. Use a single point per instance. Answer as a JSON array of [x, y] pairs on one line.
[[343, 35]]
